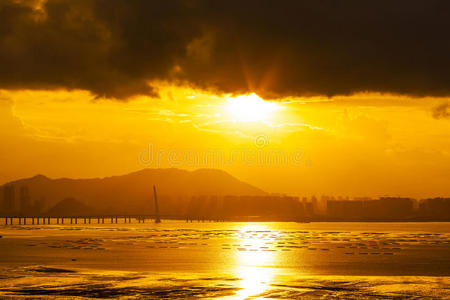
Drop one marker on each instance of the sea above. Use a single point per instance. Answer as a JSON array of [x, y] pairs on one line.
[[225, 260]]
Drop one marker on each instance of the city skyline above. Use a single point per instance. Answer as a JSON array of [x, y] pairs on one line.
[[216, 196]]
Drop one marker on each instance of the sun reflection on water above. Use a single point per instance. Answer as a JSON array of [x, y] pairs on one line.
[[254, 261]]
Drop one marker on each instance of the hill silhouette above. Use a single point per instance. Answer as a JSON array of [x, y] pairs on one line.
[[70, 207], [132, 192]]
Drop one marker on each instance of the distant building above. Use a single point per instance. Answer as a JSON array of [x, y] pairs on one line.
[[386, 208], [315, 205], [435, 208], [396, 207], [9, 198], [342, 209], [25, 203], [308, 208], [273, 207]]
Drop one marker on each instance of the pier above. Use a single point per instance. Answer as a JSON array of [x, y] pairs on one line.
[[96, 219], [73, 220]]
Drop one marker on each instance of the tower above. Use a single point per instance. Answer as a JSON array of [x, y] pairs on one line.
[[8, 198], [24, 199], [157, 219]]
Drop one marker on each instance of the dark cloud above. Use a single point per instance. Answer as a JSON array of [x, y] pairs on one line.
[[113, 48], [442, 111]]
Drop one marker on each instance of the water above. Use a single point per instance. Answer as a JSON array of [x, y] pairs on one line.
[[175, 259]]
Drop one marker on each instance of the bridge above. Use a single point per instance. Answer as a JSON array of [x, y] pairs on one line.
[[98, 219], [38, 220]]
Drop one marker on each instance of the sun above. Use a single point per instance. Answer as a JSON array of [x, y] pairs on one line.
[[250, 108]]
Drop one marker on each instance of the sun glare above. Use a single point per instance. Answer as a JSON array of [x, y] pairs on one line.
[[254, 264], [250, 108]]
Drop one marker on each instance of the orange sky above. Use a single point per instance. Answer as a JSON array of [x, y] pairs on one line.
[[361, 145], [298, 97]]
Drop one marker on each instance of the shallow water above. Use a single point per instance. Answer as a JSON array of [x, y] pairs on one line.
[[226, 260]]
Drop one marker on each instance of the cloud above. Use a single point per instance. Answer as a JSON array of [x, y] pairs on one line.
[[441, 111], [115, 48], [10, 124]]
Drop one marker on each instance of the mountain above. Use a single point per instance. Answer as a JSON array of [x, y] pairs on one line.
[[70, 207], [131, 192]]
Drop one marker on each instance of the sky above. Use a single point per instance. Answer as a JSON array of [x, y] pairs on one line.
[[299, 97]]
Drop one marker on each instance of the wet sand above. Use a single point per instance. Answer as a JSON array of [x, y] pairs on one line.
[[235, 260]]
